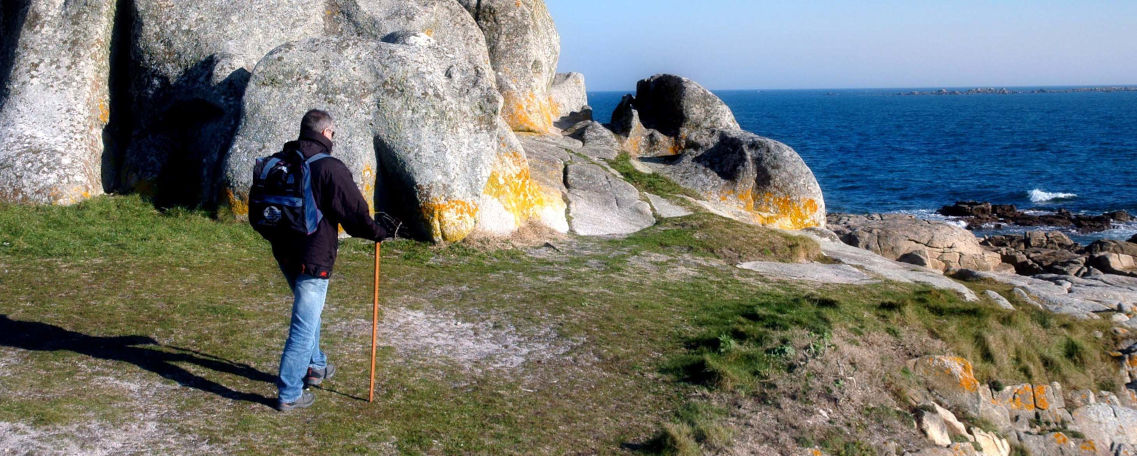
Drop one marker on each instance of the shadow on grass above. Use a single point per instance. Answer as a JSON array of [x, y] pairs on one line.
[[30, 335]]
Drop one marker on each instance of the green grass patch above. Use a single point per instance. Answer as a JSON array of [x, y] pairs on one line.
[[730, 240], [651, 183]]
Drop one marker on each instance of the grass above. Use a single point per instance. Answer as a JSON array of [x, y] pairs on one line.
[[651, 183], [176, 319], [712, 236]]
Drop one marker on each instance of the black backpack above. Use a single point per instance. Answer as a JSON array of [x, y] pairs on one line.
[[280, 200]]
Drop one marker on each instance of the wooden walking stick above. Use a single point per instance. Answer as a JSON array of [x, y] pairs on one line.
[[374, 325]]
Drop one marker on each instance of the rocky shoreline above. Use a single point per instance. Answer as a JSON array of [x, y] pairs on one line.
[[979, 215]]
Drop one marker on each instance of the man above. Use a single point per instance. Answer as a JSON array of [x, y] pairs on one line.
[[307, 261]]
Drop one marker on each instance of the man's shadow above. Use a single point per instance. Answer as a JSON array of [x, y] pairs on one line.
[[30, 335]]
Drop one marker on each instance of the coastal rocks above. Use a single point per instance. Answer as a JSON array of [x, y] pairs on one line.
[[978, 214], [430, 117], [635, 139], [680, 108], [191, 67], [1081, 297], [884, 268], [598, 141], [682, 131], [56, 102], [524, 48], [1037, 418], [764, 178], [902, 237], [1115, 263], [1038, 252], [600, 203], [570, 100]]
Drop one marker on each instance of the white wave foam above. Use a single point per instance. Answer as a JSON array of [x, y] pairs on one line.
[[1040, 196]]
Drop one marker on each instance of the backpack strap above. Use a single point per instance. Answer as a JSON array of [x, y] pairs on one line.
[[312, 212], [271, 162], [316, 158]]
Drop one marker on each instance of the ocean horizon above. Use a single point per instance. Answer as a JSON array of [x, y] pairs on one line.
[[876, 151]]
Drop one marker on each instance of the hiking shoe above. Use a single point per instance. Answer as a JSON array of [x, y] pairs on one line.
[[306, 400], [316, 377]]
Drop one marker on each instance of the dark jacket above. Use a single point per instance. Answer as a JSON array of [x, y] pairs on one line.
[[339, 199]]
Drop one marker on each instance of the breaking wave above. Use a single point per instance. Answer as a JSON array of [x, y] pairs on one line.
[[1040, 196]]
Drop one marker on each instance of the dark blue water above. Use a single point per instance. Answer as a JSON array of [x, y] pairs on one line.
[[874, 151]]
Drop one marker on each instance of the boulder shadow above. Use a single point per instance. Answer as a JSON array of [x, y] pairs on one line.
[[141, 351]]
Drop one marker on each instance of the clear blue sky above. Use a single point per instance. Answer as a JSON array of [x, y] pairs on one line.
[[751, 44]]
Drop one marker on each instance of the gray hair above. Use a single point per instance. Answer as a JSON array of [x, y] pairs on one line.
[[317, 121]]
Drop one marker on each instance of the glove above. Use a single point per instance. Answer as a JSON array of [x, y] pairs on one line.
[[389, 224]]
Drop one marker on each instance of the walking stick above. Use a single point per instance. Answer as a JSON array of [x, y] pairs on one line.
[[374, 326]]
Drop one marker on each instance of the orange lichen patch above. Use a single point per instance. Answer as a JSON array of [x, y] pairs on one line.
[[429, 32], [450, 220], [1088, 445], [1022, 399], [239, 206], [367, 186], [634, 146], [527, 112], [104, 112], [511, 184], [785, 212], [1131, 361], [946, 370], [962, 449], [1061, 438], [1040, 401]]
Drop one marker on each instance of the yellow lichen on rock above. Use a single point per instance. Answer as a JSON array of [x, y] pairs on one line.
[[239, 206], [367, 186], [104, 112], [1022, 399], [450, 220], [511, 184], [1040, 401], [768, 209], [527, 112]]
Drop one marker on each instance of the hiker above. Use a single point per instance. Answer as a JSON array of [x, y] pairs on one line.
[[307, 259]]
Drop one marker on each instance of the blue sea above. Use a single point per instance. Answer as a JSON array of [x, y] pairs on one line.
[[877, 151]]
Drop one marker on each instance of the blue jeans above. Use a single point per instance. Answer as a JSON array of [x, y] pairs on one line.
[[302, 349]]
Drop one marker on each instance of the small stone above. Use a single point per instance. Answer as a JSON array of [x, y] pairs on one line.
[[1119, 318], [934, 428], [999, 300]]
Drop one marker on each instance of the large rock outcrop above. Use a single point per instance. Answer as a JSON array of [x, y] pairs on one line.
[[679, 107], [56, 100], [429, 116], [935, 245], [192, 65], [683, 131], [524, 48], [570, 100]]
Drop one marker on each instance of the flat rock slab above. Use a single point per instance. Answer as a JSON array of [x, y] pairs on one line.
[[666, 208], [892, 270], [810, 272], [1077, 296], [600, 203]]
